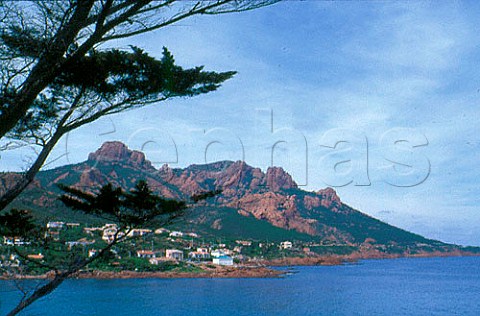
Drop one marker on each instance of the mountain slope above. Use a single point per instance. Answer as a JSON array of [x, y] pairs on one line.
[[253, 204]]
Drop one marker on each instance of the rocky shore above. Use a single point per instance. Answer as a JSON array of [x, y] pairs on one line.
[[340, 259], [259, 270], [218, 272], [207, 272]]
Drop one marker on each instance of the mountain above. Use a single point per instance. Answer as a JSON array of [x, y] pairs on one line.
[[253, 204]]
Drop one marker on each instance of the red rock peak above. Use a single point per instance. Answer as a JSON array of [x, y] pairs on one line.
[[277, 178], [118, 152]]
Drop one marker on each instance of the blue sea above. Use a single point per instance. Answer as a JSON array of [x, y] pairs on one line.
[[427, 286]]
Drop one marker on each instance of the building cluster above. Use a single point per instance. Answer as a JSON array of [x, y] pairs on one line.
[[183, 250]]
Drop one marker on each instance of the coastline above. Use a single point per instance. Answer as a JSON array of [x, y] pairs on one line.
[[207, 273], [262, 269], [218, 272], [333, 260]]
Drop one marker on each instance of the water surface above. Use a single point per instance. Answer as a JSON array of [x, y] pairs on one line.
[[431, 286]]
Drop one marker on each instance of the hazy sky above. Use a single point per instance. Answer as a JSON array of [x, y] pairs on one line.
[[379, 99]]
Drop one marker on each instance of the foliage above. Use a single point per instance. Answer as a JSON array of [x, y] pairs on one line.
[[18, 223], [55, 76], [129, 209]]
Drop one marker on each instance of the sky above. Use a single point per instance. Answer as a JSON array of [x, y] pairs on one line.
[[377, 99]]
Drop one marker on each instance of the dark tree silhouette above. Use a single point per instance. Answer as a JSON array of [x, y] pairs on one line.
[[128, 210], [55, 76]]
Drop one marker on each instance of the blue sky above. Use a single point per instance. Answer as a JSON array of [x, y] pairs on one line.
[[396, 82]]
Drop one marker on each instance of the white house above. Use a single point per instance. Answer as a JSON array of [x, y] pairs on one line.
[[145, 254], [81, 242], [217, 253], [286, 244], [174, 254], [139, 232], [56, 225], [161, 230], [11, 241], [158, 260], [109, 231], [201, 253], [223, 260], [246, 243], [176, 234]]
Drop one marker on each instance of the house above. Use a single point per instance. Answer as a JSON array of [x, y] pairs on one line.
[[202, 250], [92, 252], [217, 253], [246, 243], [55, 225], [139, 232], [161, 230], [14, 241], [200, 254], [53, 230], [158, 260], [286, 244], [174, 254], [147, 254], [109, 232], [53, 234], [193, 235], [81, 242], [35, 257], [223, 261], [265, 245], [176, 234], [90, 230]]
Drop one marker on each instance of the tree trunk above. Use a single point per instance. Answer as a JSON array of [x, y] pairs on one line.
[[45, 69], [41, 292]]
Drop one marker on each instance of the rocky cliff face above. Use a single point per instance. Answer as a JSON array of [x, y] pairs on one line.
[[117, 152], [263, 195], [270, 196], [276, 179]]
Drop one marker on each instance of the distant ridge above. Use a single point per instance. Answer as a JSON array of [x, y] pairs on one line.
[[253, 204]]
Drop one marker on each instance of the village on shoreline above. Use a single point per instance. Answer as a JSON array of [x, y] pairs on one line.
[[145, 252], [164, 253]]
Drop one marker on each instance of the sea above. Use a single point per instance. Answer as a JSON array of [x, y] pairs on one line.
[[420, 286]]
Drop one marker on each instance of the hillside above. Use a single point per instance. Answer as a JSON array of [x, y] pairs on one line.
[[253, 204]]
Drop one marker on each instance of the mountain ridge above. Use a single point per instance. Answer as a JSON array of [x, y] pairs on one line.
[[271, 201]]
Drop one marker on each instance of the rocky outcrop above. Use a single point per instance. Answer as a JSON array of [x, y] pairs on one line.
[[91, 178], [270, 196], [278, 209], [239, 178], [117, 152], [329, 199], [277, 179], [264, 195]]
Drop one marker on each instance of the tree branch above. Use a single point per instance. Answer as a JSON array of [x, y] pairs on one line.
[[45, 69], [12, 193]]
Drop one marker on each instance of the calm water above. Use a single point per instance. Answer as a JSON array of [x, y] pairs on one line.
[[435, 286]]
